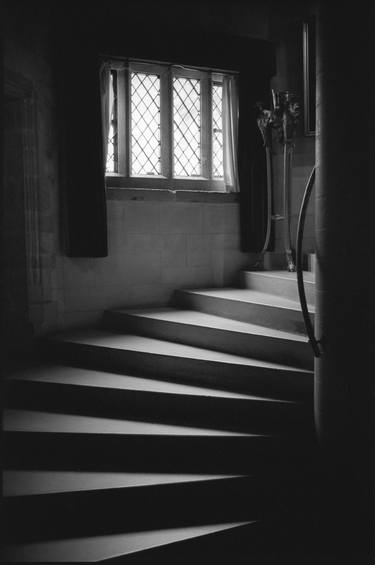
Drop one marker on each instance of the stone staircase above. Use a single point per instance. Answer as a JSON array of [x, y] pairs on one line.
[[169, 435]]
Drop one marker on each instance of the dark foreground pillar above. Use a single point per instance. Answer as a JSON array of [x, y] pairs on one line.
[[345, 96]]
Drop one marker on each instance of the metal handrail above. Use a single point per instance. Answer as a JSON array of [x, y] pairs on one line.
[[299, 266]]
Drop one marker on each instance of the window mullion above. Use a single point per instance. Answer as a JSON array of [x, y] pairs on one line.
[[127, 121], [166, 123], [122, 125], [206, 120]]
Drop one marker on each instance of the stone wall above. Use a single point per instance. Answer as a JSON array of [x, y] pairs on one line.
[[28, 81], [302, 162], [286, 20], [156, 244]]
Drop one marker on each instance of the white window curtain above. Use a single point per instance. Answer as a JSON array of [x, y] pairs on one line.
[[106, 95], [230, 133]]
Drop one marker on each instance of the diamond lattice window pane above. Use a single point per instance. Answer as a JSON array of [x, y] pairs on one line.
[[217, 131], [111, 156], [111, 164], [145, 124], [186, 127]]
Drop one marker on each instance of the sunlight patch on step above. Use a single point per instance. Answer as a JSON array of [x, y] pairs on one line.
[[202, 319], [35, 421], [106, 339], [91, 549], [25, 483], [103, 379]]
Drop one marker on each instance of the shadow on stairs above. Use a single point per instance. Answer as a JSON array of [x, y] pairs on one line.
[[170, 435]]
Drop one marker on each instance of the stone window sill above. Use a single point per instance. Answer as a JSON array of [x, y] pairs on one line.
[[161, 195]]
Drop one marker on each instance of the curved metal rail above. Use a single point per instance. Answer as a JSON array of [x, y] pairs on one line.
[[299, 266], [288, 153], [269, 200]]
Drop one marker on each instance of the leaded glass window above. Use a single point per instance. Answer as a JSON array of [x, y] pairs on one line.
[[145, 124], [217, 131], [111, 165], [186, 127], [166, 128]]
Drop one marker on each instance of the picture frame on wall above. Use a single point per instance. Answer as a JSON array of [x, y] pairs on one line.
[[309, 75]]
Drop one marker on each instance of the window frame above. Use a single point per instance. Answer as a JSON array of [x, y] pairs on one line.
[[122, 178]]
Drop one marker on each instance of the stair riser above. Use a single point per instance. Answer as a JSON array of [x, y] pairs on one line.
[[273, 260], [311, 262], [260, 314], [124, 510], [241, 378], [213, 549], [108, 452], [284, 351], [276, 285], [236, 414]]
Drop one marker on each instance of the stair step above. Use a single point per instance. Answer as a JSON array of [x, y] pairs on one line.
[[247, 305], [196, 424], [158, 505], [280, 283], [214, 332], [155, 500], [97, 393], [51, 441], [28, 483], [173, 361], [100, 548], [67, 375], [34, 421]]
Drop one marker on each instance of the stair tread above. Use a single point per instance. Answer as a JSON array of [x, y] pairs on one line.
[[51, 422], [250, 296], [197, 318], [59, 374], [93, 549], [21, 483], [132, 342], [308, 276]]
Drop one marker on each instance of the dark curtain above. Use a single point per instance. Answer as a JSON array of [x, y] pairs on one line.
[[83, 179], [82, 174], [252, 164]]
